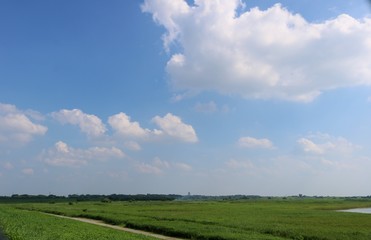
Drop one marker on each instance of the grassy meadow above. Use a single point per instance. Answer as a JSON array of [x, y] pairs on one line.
[[29, 225], [307, 219]]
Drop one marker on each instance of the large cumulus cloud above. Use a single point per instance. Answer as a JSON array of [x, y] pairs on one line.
[[261, 54]]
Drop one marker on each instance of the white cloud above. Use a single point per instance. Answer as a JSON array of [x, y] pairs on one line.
[[16, 127], [28, 171], [160, 163], [35, 115], [159, 166], [131, 145], [326, 144], [89, 124], [262, 54], [123, 125], [250, 142], [310, 147], [183, 166], [63, 155], [173, 126], [8, 108], [164, 12]]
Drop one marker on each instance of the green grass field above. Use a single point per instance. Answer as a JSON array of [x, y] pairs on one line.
[[307, 219], [25, 225]]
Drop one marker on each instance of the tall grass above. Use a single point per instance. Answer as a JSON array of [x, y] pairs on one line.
[[25, 225]]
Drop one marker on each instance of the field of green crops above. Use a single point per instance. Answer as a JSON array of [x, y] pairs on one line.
[[307, 219], [25, 225]]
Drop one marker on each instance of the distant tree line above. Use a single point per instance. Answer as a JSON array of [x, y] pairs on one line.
[[218, 198], [88, 197], [120, 197], [151, 197]]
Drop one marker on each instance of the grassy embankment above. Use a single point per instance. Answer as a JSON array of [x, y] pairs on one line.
[[26, 225], [307, 219]]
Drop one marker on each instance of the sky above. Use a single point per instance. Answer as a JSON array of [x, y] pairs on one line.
[[171, 96]]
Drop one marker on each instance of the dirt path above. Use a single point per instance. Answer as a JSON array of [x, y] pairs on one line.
[[100, 223]]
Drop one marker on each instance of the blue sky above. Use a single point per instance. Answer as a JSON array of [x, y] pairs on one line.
[[208, 97]]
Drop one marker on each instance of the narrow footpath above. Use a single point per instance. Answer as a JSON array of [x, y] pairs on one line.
[[101, 223]]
